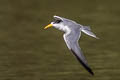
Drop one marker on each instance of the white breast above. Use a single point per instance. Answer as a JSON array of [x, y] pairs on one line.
[[65, 29]]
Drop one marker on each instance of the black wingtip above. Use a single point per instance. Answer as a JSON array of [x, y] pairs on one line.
[[85, 66], [92, 74], [90, 71]]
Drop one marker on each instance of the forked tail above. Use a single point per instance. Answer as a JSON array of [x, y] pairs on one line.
[[87, 30]]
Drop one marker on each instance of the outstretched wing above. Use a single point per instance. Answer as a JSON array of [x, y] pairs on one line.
[[72, 43]]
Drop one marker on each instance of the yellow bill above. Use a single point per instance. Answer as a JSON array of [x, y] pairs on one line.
[[48, 26]]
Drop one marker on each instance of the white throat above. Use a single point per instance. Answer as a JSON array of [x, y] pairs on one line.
[[63, 28]]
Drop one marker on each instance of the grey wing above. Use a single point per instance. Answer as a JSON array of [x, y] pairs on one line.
[[72, 43]]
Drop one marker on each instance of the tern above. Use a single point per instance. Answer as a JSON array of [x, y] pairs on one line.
[[72, 32]]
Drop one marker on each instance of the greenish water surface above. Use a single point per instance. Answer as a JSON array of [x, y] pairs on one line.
[[28, 52]]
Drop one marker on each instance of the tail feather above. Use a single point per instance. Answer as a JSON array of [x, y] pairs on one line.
[[87, 30]]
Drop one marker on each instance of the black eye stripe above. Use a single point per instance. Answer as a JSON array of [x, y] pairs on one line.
[[57, 21]]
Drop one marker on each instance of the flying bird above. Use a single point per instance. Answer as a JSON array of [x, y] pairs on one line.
[[72, 32]]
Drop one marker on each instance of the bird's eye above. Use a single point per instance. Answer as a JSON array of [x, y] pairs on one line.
[[57, 21]]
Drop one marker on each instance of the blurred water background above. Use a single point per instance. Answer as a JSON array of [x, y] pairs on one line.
[[28, 52]]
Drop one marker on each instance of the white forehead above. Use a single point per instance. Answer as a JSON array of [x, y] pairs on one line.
[[64, 20], [58, 18]]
